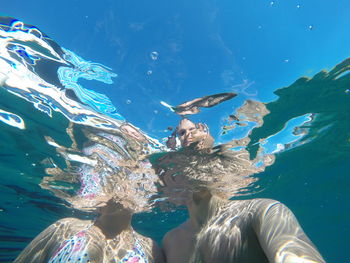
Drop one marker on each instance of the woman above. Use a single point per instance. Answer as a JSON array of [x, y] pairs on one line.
[[104, 166], [109, 238], [110, 169]]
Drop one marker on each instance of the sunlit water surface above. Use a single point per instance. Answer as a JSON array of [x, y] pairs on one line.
[[307, 129]]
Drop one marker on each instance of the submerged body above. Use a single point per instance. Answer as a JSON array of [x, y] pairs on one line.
[[110, 171], [257, 230], [221, 230], [109, 238], [74, 240]]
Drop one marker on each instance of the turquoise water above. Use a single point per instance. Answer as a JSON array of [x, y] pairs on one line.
[[307, 128]]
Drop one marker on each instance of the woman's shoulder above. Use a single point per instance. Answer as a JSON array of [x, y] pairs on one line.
[[70, 223], [72, 220]]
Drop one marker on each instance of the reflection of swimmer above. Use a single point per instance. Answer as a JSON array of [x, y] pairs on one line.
[[110, 238], [110, 167], [221, 230], [190, 133], [194, 165], [101, 166]]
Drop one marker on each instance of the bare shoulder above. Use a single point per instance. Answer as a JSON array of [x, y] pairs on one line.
[[178, 243], [157, 253], [265, 202], [256, 202], [170, 237], [254, 205], [72, 221], [262, 209], [44, 244], [262, 206], [182, 231], [151, 248]]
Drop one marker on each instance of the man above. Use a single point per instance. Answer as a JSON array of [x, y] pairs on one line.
[[218, 229]]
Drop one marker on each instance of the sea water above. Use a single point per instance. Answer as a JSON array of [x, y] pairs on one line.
[[307, 129]]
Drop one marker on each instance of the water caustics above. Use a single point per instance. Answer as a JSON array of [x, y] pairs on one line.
[[107, 157]]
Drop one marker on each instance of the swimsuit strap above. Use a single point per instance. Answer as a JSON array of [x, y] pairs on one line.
[[136, 255], [75, 249]]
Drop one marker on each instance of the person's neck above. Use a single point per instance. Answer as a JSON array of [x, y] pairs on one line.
[[112, 224], [201, 207]]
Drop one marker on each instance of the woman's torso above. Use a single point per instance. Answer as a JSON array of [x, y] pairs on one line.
[[74, 240]]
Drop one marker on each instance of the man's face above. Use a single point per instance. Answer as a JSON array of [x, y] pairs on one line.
[[188, 133]]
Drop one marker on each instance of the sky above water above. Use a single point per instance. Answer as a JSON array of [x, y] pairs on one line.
[[199, 48], [175, 51]]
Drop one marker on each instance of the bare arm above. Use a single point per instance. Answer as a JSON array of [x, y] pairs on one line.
[[158, 254], [178, 244], [280, 235]]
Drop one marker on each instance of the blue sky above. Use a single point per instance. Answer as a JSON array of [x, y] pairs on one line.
[[204, 46]]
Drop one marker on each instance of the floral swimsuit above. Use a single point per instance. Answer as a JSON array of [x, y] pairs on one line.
[[75, 250]]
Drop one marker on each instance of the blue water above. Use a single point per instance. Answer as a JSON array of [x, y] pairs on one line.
[[259, 49]]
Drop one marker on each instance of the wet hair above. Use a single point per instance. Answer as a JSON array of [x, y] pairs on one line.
[[222, 171], [111, 164]]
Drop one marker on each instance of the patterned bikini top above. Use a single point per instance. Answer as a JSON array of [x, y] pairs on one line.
[[136, 255], [75, 250]]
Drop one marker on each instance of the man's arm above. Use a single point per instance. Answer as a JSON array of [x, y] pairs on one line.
[[280, 235]]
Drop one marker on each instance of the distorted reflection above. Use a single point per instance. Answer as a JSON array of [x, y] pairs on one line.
[[203, 177], [106, 170], [114, 180]]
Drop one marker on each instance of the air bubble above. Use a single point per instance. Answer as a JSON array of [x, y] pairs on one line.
[[149, 72], [311, 27], [128, 101], [272, 3], [154, 55]]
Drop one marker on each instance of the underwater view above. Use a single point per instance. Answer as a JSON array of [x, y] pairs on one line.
[[174, 131]]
